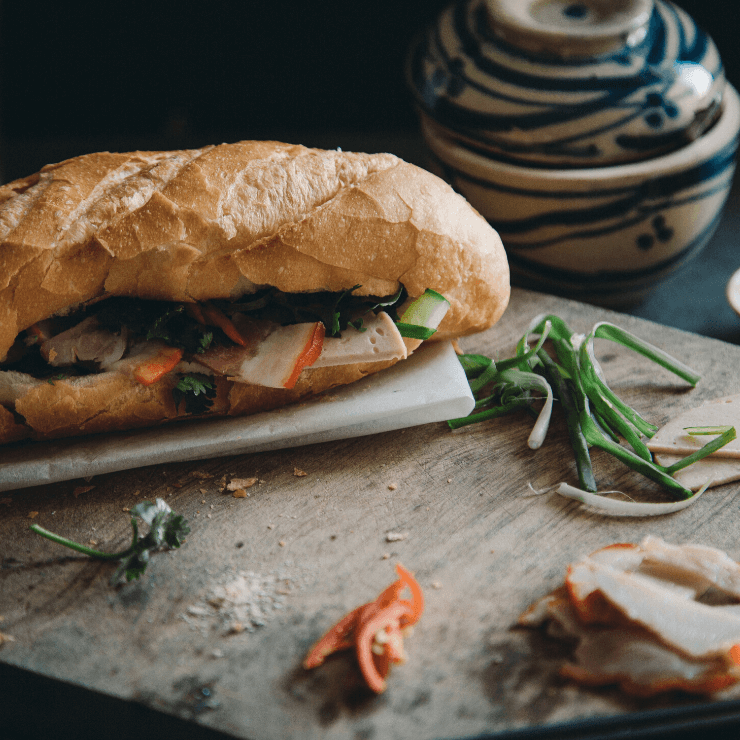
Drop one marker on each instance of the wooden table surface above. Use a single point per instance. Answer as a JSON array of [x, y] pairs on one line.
[[209, 642]]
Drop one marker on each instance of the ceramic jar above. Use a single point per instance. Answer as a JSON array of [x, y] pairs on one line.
[[597, 136]]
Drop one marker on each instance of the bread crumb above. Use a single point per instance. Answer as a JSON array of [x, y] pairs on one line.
[[79, 490], [32, 514], [449, 480], [125, 508], [239, 493], [236, 628], [137, 493], [200, 474], [92, 542], [6, 638], [281, 543], [392, 486], [436, 584], [299, 473], [237, 484], [396, 536], [386, 556]]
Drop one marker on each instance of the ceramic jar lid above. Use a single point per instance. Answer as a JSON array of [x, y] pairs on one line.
[[567, 82], [570, 28]]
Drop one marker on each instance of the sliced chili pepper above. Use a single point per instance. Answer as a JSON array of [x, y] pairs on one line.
[[309, 355], [384, 619], [339, 637], [375, 630]]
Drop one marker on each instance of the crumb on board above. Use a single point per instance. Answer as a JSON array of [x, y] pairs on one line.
[[436, 584], [32, 514], [236, 484], [201, 474], [386, 556], [299, 473], [392, 486], [6, 638], [396, 536]]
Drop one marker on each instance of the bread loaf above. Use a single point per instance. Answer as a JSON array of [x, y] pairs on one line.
[[219, 223]]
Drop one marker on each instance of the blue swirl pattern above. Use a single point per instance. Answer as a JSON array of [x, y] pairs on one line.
[[632, 104]]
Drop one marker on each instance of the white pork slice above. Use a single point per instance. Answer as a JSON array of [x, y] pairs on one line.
[[85, 342], [706, 565], [379, 341], [626, 655], [696, 630], [273, 355]]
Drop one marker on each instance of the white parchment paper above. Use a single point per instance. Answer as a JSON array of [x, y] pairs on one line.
[[429, 386]]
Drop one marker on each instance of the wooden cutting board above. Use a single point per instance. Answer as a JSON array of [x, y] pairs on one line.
[[209, 642]]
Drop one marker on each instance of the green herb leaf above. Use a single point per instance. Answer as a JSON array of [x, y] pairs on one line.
[[198, 392], [59, 376], [166, 530]]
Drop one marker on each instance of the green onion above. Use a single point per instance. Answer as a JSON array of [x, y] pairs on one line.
[[595, 415]]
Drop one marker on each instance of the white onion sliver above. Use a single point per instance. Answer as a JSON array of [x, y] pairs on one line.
[[625, 508], [539, 430]]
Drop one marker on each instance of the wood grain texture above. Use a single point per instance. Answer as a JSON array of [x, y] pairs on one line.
[[315, 546]]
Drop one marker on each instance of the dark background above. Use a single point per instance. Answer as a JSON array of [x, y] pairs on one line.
[[79, 77], [75, 77]]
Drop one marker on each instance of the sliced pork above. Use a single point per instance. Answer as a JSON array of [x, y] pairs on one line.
[[85, 342], [638, 621]]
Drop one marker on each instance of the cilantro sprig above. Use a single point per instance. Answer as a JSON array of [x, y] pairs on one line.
[[166, 530], [198, 392]]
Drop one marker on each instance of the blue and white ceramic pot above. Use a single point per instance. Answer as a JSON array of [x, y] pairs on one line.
[[597, 137]]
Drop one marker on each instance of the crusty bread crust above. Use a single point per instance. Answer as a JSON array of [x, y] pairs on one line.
[[217, 222], [113, 401]]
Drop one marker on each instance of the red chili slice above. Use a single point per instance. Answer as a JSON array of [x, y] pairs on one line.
[[309, 355], [375, 630]]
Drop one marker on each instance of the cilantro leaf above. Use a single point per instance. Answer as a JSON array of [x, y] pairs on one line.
[[166, 530], [197, 391]]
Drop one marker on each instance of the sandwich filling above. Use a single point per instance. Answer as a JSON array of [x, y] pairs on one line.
[[267, 338]]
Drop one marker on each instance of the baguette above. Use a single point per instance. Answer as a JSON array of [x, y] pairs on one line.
[[222, 222]]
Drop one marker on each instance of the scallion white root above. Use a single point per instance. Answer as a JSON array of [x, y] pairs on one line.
[[616, 507]]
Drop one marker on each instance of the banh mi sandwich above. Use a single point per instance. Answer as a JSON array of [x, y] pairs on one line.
[[145, 287]]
